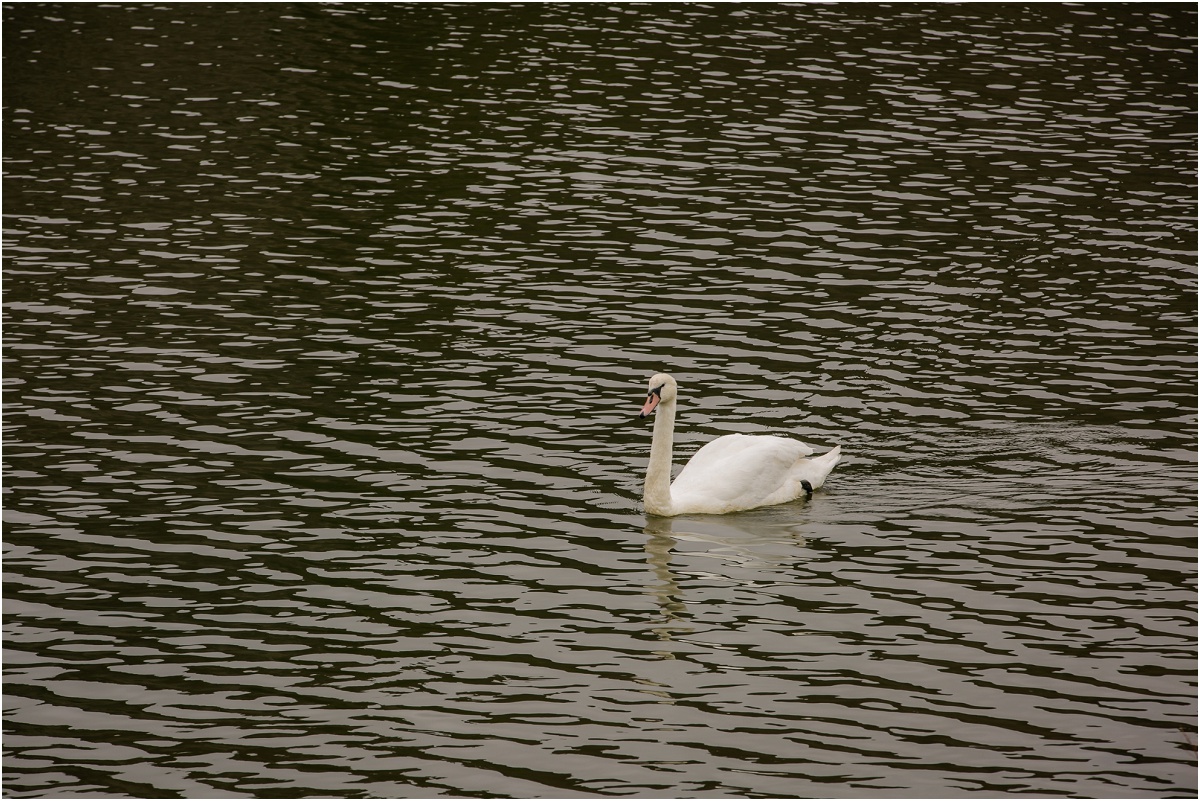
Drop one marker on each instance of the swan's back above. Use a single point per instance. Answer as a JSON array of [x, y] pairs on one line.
[[741, 471]]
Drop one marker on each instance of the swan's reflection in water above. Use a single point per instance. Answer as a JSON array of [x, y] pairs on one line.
[[665, 589], [760, 540]]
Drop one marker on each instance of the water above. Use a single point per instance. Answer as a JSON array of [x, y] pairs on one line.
[[327, 326]]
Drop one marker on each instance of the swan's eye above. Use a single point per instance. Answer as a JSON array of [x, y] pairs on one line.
[[658, 390]]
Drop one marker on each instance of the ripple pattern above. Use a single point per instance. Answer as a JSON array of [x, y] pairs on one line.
[[326, 329]]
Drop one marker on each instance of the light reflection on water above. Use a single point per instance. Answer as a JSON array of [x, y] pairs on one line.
[[326, 333]]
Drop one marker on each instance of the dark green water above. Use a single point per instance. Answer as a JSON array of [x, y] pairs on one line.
[[327, 327]]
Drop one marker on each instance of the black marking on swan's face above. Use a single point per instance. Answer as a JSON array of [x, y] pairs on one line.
[[652, 400]]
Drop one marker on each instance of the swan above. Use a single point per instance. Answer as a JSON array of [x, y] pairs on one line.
[[730, 474]]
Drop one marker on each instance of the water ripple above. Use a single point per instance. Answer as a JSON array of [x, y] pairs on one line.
[[324, 358]]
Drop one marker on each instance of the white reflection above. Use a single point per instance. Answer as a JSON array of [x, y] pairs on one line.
[[762, 540]]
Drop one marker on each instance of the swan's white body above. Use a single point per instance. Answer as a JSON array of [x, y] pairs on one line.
[[729, 474]]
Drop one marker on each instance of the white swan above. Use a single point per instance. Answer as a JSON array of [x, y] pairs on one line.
[[729, 474]]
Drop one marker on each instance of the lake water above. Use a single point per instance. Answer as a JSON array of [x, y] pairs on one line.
[[326, 331]]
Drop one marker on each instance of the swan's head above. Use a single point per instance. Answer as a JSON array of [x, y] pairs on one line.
[[662, 388]]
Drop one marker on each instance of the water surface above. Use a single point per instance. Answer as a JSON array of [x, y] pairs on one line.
[[326, 330]]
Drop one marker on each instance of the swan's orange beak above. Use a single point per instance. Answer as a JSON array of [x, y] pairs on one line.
[[651, 401]]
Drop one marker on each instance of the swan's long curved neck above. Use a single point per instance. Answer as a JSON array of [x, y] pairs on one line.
[[656, 494]]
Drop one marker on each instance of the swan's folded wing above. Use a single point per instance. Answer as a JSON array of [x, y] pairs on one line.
[[739, 468]]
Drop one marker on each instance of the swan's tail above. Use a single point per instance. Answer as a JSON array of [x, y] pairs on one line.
[[812, 472]]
